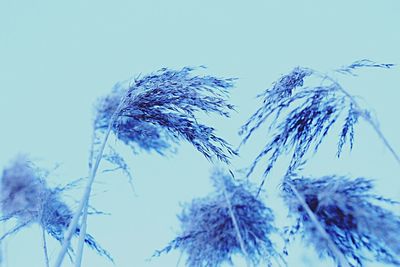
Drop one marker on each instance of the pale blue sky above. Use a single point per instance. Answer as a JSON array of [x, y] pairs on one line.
[[57, 57]]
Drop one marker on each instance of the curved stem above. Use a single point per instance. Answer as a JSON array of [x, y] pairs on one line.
[[179, 259], [46, 255], [83, 228], [341, 258], [382, 137], [82, 236], [236, 225], [2, 248], [85, 198]]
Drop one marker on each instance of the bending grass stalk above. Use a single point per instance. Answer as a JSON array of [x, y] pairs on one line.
[[179, 259], [4, 248], [1, 255], [82, 235], [363, 114], [46, 255], [14, 230], [341, 258], [83, 228], [45, 251], [85, 198], [236, 225]]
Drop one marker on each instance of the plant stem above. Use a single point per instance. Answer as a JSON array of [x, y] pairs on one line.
[[383, 138], [179, 259], [82, 230], [236, 225], [82, 236], [85, 198], [46, 255], [341, 258], [2, 253]]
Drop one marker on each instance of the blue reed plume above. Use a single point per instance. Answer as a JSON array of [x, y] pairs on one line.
[[302, 115], [161, 107], [26, 197], [350, 213], [214, 229], [155, 106]]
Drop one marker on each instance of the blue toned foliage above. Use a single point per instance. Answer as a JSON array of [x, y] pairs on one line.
[[160, 107], [351, 215], [302, 115], [363, 63], [134, 133], [208, 235], [26, 197]]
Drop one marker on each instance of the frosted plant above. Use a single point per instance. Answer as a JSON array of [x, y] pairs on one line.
[[160, 107], [230, 221], [26, 197], [154, 109], [303, 115], [350, 214], [135, 133]]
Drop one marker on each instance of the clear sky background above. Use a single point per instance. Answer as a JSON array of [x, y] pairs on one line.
[[57, 57]]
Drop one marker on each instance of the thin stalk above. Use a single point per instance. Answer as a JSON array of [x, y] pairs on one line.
[[179, 259], [83, 227], [82, 236], [85, 198], [383, 138], [46, 255], [15, 229], [341, 258], [3, 248], [236, 226]]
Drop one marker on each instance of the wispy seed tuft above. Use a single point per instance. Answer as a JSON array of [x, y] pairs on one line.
[[302, 116], [351, 215], [26, 197], [161, 107], [208, 235]]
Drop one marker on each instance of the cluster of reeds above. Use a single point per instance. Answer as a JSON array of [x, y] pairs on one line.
[[26, 197], [163, 104], [339, 216], [302, 115]]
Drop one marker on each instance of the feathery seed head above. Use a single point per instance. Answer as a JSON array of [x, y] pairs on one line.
[[26, 197], [208, 233], [349, 213], [311, 113], [20, 189], [163, 104], [132, 132]]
